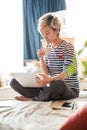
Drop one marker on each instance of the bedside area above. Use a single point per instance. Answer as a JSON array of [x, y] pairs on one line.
[[83, 84], [7, 93]]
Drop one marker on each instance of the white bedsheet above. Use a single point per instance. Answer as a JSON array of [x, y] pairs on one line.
[[31, 115]]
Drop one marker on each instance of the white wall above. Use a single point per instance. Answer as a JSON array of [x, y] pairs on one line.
[[11, 35]]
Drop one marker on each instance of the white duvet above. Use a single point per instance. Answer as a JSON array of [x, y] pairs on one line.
[[30, 115]]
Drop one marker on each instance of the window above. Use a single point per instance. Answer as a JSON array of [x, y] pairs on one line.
[[77, 21], [11, 39], [78, 29]]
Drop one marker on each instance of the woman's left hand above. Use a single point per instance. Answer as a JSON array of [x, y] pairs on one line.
[[42, 79]]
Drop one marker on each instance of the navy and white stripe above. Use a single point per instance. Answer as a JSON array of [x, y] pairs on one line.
[[59, 59]]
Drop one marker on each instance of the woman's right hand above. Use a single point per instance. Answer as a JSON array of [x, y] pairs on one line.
[[41, 53]]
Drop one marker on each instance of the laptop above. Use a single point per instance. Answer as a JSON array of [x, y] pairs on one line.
[[26, 79]]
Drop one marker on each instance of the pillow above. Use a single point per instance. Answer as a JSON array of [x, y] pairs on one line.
[[78, 121]]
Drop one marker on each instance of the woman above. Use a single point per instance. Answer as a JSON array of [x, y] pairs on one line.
[[58, 69]]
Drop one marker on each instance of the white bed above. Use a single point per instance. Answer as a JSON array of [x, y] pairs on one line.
[[31, 115]]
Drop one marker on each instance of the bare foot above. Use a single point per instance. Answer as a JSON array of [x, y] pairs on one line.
[[22, 98]]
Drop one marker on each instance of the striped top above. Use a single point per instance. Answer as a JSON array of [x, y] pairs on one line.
[[63, 59]]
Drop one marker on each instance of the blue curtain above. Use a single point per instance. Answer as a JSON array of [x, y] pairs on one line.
[[32, 10]]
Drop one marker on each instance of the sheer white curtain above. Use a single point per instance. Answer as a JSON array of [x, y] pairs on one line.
[[11, 35]]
